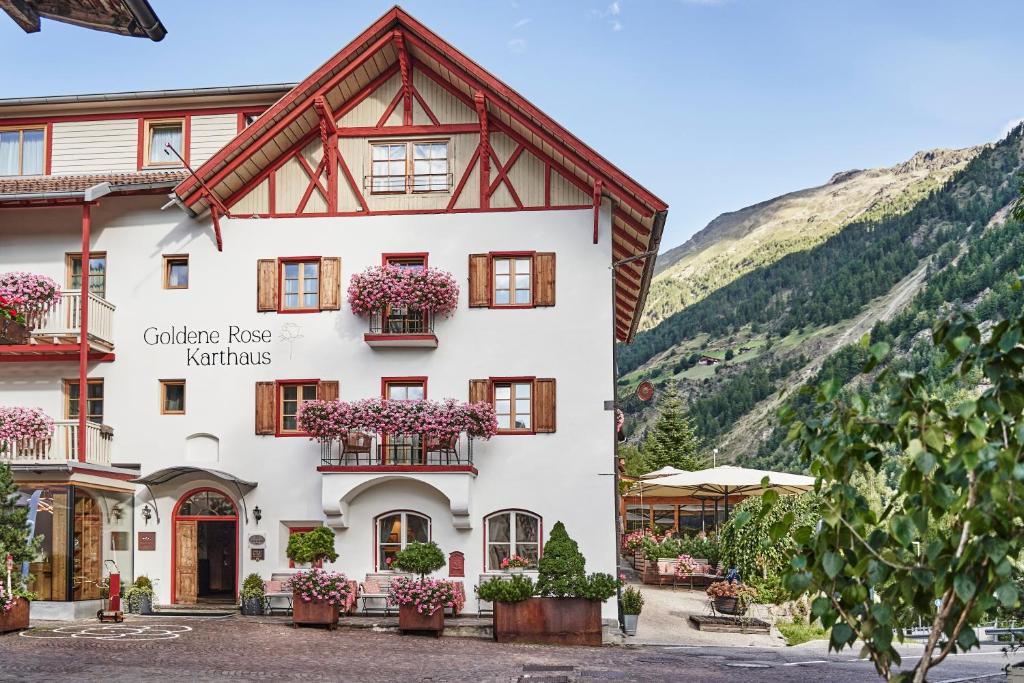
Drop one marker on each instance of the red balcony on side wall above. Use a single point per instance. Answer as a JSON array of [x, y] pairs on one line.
[[56, 334], [401, 328]]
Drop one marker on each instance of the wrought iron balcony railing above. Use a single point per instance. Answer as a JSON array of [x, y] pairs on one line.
[[359, 449], [395, 320]]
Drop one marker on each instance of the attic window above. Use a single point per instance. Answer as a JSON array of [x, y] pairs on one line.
[[410, 167]]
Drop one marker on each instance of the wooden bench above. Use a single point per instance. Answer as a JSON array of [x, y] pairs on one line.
[[275, 589], [380, 593]]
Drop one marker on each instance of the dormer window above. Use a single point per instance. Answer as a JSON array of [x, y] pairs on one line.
[[22, 151], [158, 135], [409, 167]]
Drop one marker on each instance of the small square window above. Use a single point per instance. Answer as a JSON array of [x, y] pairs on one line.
[[160, 134], [172, 397], [176, 272], [290, 398], [513, 281], [300, 285]]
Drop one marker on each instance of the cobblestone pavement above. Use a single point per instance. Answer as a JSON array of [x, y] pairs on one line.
[[247, 649]]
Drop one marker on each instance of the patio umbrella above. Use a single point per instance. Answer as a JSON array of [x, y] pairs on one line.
[[663, 472]]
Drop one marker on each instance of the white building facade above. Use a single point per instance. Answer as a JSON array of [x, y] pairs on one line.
[[213, 318]]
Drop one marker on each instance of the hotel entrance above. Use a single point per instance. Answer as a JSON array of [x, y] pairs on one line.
[[205, 552]]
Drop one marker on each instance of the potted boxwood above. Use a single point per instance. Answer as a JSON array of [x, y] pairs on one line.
[[632, 605], [254, 596], [311, 547], [317, 597], [564, 608], [139, 596], [421, 602], [15, 548]]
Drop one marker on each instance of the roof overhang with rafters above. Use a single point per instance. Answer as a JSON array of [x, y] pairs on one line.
[[395, 40]]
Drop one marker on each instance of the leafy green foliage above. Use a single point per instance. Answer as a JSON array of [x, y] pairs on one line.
[[515, 589], [312, 546], [800, 632], [632, 600], [757, 545], [950, 532], [420, 558], [672, 440], [144, 581], [562, 566], [706, 548], [14, 530], [252, 587]]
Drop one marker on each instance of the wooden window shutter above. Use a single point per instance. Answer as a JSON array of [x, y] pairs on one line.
[[543, 405], [266, 399], [327, 390], [479, 280], [266, 284], [544, 279], [330, 283], [479, 391]]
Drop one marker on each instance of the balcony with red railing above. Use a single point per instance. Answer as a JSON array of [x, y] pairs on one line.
[[401, 327], [360, 451]]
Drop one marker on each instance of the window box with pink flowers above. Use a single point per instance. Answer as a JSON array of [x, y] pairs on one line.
[[402, 303]]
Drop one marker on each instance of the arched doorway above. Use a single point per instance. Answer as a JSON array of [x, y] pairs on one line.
[[204, 553]]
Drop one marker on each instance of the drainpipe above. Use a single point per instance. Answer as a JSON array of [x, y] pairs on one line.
[[83, 339]]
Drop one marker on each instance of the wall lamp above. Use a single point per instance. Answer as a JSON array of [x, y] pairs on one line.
[[257, 514], [147, 513]]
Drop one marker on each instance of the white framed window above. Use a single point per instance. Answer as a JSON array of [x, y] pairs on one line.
[[513, 281], [397, 529], [158, 135], [512, 532], [513, 403], [410, 167]]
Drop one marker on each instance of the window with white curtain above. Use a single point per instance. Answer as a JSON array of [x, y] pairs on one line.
[[22, 151], [159, 134], [513, 532]]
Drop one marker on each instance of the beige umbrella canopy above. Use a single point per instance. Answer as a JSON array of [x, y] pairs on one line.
[[663, 472], [721, 481]]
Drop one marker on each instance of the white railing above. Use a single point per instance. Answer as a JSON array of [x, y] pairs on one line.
[[62, 446], [65, 319]]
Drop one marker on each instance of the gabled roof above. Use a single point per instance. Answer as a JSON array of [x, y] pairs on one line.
[[638, 215]]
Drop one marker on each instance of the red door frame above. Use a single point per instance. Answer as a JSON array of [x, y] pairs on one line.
[[175, 516]]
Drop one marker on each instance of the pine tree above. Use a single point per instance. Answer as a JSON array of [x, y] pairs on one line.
[[672, 441], [562, 568], [13, 527]]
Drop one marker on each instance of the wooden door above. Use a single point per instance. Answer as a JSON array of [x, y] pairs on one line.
[[185, 561]]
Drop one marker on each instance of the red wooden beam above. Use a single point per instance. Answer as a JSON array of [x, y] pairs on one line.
[[485, 149], [385, 131], [621, 233], [503, 176], [389, 109], [426, 109], [598, 186], [216, 226], [83, 335], [329, 138], [404, 67], [465, 176], [632, 222], [356, 190]]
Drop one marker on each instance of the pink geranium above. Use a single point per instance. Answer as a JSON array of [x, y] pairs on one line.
[[428, 595], [19, 424], [419, 289], [323, 586], [441, 420], [29, 292]]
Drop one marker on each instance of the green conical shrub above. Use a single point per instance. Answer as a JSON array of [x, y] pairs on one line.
[[562, 568]]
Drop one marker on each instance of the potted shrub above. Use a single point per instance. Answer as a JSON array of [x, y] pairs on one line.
[[632, 604], [311, 547], [254, 596], [515, 564], [139, 596], [318, 596], [731, 596], [15, 547], [421, 602], [564, 607]]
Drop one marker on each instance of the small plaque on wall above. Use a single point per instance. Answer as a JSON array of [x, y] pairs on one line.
[[456, 564], [257, 539], [147, 540], [258, 554]]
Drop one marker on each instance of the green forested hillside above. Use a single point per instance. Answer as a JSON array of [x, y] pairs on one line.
[[792, 321]]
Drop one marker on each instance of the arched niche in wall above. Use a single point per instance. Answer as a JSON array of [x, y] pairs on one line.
[[202, 448]]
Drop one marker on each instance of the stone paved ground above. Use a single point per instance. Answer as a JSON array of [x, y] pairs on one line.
[[252, 649]]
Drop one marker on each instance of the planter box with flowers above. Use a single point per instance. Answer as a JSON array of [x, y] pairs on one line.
[[731, 597], [318, 597], [401, 303], [515, 564], [421, 602], [24, 299], [563, 608]]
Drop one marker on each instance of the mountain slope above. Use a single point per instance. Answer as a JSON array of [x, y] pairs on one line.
[[741, 241]]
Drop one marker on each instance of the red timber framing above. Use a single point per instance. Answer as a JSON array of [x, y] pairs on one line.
[[399, 45]]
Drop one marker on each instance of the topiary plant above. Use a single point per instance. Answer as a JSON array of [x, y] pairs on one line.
[[516, 589], [562, 567], [312, 546], [420, 558]]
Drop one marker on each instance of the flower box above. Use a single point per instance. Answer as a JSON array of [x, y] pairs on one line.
[[411, 620], [317, 612], [548, 621], [13, 332], [16, 618], [730, 605]]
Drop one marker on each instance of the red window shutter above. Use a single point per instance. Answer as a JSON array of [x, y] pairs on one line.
[[266, 285], [266, 400], [479, 391], [544, 405], [330, 283], [327, 390], [544, 279], [479, 280]]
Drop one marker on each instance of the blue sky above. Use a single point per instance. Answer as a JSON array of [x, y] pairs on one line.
[[712, 104]]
